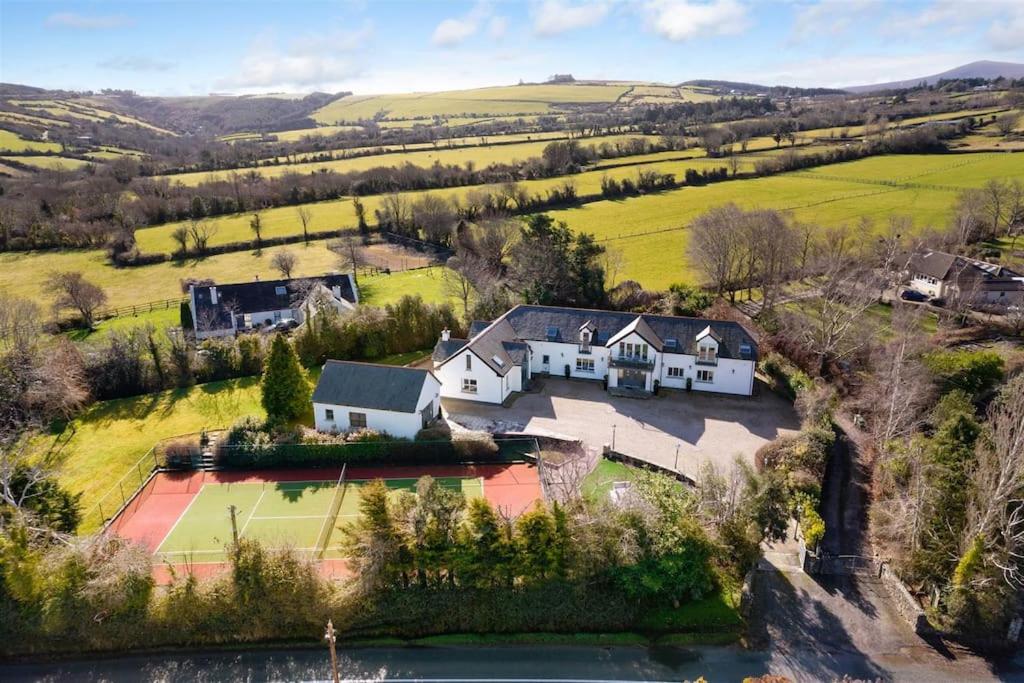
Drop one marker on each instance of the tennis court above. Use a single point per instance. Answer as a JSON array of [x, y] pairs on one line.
[[184, 518], [304, 515]]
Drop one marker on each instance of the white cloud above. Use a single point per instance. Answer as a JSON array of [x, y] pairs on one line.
[[89, 23], [554, 16], [454, 30], [497, 27], [323, 61], [680, 20], [829, 19], [135, 63], [1007, 33]]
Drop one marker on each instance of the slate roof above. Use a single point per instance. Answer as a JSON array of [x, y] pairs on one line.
[[368, 385], [934, 264], [965, 271], [444, 350], [261, 296], [532, 323], [478, 326]]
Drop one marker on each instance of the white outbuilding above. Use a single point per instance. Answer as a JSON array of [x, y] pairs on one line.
[[351, 396]]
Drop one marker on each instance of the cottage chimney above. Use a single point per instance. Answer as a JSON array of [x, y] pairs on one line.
[[336, 289], [446, 334], [213, 295]]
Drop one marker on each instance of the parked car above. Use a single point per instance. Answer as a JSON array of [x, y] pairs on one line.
[[911, 295], [283, 325]]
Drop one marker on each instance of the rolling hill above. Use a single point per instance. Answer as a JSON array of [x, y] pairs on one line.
[[981, 69]]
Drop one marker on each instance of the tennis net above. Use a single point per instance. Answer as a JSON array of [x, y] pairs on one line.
[[332, 514]]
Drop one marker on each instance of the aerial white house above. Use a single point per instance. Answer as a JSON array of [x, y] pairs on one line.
[[636, 352], [939, 275], [225, 310], [386, 398]]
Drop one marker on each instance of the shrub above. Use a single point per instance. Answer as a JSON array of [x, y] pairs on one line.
[[811, 524], [178, 453], [976, 372], [787, 379], [474, 444]]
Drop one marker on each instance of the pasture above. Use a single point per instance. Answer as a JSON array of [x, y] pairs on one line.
[[12, 142], [479, 102], [22, 274], [48, 163], [651, 230], [480, 156]]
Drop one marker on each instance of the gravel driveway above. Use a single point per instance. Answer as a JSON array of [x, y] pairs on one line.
[[703, 427]]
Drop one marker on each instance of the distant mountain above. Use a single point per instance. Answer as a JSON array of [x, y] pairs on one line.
[[982, 69]]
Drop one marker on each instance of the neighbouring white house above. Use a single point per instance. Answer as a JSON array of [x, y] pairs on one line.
[[939, 275], [386, 398], [631, 351], [226, 310]]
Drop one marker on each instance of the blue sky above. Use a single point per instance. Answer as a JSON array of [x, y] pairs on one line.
[[197, 47]]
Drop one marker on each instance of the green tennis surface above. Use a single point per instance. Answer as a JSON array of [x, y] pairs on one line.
[[296, 514]]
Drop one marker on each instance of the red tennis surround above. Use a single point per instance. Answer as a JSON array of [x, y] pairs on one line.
[[149, 517]]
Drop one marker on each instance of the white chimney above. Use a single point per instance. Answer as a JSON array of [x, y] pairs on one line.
[[337, 291], [446, 334], [213, 295]]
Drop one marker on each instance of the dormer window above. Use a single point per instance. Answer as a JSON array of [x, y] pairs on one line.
[[585, 341], [280, 291], [706, 353]]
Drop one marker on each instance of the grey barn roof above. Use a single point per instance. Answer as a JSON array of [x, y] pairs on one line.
[[533, 323], [444, 350], [368, 385]]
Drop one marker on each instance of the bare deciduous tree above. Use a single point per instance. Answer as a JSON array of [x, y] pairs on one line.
[[74, 292], [201, 231], [256, 225], [1007, 123], [305, 216], [284, 262], [351, 255], [613, 261], [457, 279], [180, 237], [715, 247], [19, 324]]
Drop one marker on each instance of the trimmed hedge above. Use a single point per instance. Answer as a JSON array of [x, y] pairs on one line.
[[246, 456]]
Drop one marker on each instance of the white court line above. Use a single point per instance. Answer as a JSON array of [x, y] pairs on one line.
[[253, 512], [212, 552], [496, 680], [292, 517], [180, 517]]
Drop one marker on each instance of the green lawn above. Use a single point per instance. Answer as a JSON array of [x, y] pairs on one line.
[[12, 142], [160, 319], [110, 437], [49, 163], [598, 484]]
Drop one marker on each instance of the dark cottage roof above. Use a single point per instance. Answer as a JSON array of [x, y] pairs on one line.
[[501, 344], [934, 264], [367, 385], [444, 350], [478, 326], [263, 295], [966, 272]]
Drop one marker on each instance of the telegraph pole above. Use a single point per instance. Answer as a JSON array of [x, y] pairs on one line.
[[331, 637]]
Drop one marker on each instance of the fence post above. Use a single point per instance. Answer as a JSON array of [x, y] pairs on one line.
[[120, 485]]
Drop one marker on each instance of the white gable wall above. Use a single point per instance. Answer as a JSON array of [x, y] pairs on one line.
[[491, 388], [561, 354], [730, 376]]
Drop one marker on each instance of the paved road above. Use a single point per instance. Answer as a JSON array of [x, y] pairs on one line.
[[490, 664]]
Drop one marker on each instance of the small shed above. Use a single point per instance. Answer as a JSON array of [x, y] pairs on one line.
[[399, 401]]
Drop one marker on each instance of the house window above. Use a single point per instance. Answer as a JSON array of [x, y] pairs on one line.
[[329, 415], [675, 372], [468, 385], [545, 359], [706, 376], [357, 420], [584, 365], [469, 362], [706, 354], [633, 350]]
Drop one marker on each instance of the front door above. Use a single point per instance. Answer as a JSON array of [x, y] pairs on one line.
[[634, 379]]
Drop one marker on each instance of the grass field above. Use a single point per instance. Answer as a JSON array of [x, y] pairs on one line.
[[424, 158], [22, 274], [841, 193], [85, 109], [48, 162], [296, 514], [496, 101], [12, 142]]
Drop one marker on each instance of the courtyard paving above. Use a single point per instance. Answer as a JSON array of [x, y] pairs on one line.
[[700, 427]]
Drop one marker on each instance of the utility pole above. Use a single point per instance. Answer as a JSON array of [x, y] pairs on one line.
[[234, 523], [331, 637]]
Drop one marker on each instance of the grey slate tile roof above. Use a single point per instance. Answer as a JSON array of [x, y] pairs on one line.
[[444, 350], [368, 385], [262, 296], [532, 323], [478, 326], [966, 272]]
